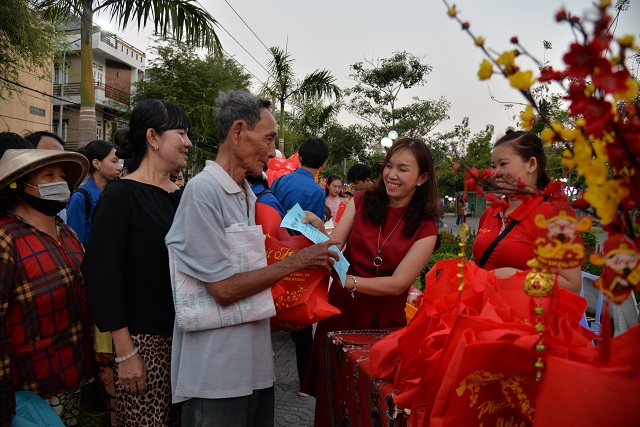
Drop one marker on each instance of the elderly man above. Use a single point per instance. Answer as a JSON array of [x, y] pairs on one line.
[[225, 376]]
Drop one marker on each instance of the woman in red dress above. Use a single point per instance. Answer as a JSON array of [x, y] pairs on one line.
[[390, 233]]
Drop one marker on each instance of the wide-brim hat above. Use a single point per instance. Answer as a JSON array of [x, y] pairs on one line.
[[15, 164]]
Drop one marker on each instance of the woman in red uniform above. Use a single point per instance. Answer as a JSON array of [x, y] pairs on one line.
[[517, 156]]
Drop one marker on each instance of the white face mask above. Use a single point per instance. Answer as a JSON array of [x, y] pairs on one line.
[[58, 191]]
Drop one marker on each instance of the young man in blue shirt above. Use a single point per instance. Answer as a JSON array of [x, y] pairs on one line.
[[300, 187]]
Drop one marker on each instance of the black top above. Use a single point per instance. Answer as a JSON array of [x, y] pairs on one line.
[[126, 265]]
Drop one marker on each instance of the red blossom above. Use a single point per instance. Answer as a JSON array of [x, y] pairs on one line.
[[554, 187], [561, 15], [472, 173], [514, 40], [611, 82], [548, 74], [602, 24], [500, 203], [465, 25], [581, 60], [456, 167], [472, 184], [598, 116], [486, 173], [581, 203]]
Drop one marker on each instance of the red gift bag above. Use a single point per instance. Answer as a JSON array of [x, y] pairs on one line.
[[407, 354], [581, 392], [302, 297], [485, 376]]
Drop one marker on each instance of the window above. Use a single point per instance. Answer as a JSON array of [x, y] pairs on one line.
[[64, 129], [99, 129], [36, 111], [59, 74], [97, 74]]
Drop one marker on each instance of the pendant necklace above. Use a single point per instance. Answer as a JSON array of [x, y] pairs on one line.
[[377, 260]]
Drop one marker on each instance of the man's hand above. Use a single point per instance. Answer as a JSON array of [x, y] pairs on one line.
[[316, 256]]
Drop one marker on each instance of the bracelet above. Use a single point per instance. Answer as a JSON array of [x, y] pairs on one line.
[[127, 357], [352, 291]]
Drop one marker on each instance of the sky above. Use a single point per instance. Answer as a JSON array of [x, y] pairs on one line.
[[334, 34]]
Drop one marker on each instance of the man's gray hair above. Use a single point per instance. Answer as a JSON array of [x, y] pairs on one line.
[[237, 105]]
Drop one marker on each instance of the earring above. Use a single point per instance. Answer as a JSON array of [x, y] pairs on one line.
[[155, 147]]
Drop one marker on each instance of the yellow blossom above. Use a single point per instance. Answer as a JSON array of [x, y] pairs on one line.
[[452, 11], [630, 93], [521, 80], [486, 70], [626, 41], [605, 3], [479, 41], [527, 117], [550, 135], [507, 58]]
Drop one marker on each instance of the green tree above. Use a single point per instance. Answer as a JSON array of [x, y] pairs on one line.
[[283, 86], [459, 146], [183, 19], [375, 97], [26, 42], [180, 75], [313, 117]]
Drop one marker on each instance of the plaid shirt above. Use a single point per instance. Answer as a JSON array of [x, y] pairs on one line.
[[45, 325]]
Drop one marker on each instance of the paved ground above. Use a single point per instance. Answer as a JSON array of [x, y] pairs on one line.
[[291, 409]]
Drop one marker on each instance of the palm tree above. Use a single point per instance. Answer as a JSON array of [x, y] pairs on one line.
[[283, 85], [182, 19], [312, 117]]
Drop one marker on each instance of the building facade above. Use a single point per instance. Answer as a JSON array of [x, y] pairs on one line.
[[27, 108], [117, 66]]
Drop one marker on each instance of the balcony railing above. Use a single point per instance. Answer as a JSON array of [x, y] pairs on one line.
[[110, 92]]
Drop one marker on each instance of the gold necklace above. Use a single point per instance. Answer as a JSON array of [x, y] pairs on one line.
[[377, 260]]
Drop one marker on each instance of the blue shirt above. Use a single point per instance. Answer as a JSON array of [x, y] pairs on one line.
[[300, 187], [76, 213], [267, 197]]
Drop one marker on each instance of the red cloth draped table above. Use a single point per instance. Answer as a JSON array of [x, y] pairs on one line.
[[350, 396]]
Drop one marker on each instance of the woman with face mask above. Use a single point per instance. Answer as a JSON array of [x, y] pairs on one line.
[[45, 325]]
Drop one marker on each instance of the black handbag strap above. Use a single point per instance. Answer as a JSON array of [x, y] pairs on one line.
[[492, 246]]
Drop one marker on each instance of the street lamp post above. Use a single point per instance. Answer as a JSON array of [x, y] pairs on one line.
[[387, 141]]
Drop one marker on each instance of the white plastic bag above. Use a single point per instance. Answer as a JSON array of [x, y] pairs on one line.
[[197, 310]]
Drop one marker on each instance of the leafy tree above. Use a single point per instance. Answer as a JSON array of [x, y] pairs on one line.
[[283, 86], [375, 97], [26, 42], [456, 146], [479, 149], [312, 117], [183, 19], [179, 75]]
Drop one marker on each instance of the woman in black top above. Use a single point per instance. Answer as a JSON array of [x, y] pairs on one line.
[[126, 265]]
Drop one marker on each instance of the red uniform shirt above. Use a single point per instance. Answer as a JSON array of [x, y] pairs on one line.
[[517, 247], [45, 326]]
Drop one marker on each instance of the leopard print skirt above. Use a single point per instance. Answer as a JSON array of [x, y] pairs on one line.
[[154, 408]]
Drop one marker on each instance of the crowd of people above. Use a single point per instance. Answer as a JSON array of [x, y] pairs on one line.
[[95, 289]]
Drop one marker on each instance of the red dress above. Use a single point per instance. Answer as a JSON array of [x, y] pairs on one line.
[[363, 311]]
